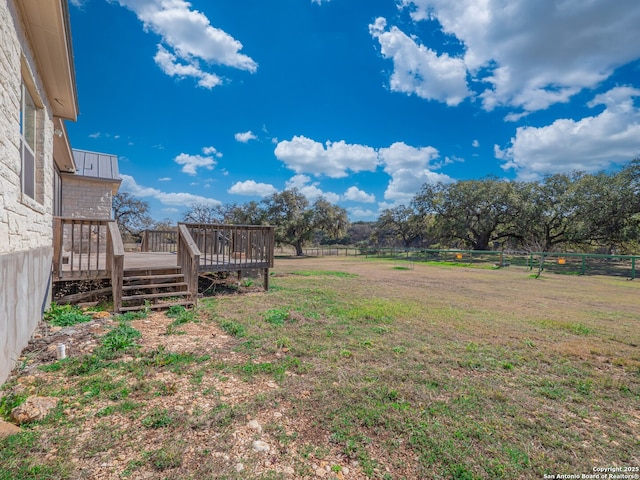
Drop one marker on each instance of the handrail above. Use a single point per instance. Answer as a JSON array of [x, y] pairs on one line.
[[159, 241], [79, 248], [188, 260], [115, 255], [233, 247]]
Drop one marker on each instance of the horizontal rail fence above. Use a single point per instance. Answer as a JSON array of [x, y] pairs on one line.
[[159, 241], [561, 263], [233, 247], [80, 249]]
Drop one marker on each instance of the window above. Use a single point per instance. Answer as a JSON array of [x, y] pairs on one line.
[[28, 131]]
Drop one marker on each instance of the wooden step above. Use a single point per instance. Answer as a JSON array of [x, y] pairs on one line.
[[147, 296], [136, 278], [156, 306], [147, 286], [130, 272]]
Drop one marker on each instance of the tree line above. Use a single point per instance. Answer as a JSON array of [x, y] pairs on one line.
[[582, 211], [563, 211]]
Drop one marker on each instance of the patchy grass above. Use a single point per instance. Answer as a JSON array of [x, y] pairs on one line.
[[65, 315], [432, 372]]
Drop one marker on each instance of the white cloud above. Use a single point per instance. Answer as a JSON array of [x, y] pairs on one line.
[[319, 2], [536, 53], [244, 137], [589, 144], [354, 194], [173, 199], [310, 190], [164, 179], [212, 151], [362, 214], [191, 163], [475, 143], [252, 188], [334, 159], [188, 40], [419, 70], [409, 169], [170, 65], [95, 135]]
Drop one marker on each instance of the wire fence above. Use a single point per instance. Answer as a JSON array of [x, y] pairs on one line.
[[560, 263]]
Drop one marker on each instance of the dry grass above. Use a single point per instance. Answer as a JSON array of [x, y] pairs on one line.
[[355, 366]]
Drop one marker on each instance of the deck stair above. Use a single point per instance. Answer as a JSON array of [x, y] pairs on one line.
[[154, 288]]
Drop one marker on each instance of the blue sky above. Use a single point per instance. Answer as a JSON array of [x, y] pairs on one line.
[[361, 101]]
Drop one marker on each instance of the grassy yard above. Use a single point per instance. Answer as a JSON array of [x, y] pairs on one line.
[[353, 369]]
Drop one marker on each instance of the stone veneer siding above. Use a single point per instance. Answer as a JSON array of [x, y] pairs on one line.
[[26, 234], [83, 197]]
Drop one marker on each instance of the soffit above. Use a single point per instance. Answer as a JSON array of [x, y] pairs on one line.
[[61, 147], [47, 25]]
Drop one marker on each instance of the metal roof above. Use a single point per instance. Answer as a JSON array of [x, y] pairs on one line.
[[99, 166]]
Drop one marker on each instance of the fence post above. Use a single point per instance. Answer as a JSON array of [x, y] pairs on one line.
[[633, 268], [583, 267]]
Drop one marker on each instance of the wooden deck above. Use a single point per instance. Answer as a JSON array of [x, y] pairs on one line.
[[76, 266], [92, 249], [141, 260]]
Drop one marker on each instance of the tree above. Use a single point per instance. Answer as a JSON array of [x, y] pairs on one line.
[[131, 214], [403, 223], [250, 213], [296, 221], [205, 213], [611, 207], [476, 212], [552, 212]]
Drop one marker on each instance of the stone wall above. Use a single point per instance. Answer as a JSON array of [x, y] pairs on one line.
[[83, 197], [26, 234]]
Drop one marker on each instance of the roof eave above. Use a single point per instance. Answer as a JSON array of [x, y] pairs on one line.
[[48, 28]]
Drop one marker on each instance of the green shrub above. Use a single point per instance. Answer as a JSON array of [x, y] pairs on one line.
[[276, 316], [233, 328], [120, 339], [65, 315]]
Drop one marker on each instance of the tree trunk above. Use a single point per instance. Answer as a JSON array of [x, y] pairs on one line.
[[299, 251]]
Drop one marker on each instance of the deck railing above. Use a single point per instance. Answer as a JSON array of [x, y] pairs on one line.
[[188, 260], [233, 247], [80, 249], [88, 249], [159, 241]]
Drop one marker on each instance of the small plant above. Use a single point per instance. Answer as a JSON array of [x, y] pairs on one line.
[[233, 328], [175, 311], [65, 315], [165, 458], [120, 339], [180, 316], [157, 418], [9, 402], [276, 316], [248, 282], [129, 316]]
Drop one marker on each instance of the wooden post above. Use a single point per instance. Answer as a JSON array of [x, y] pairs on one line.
[[114, 243], [266, 280]]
